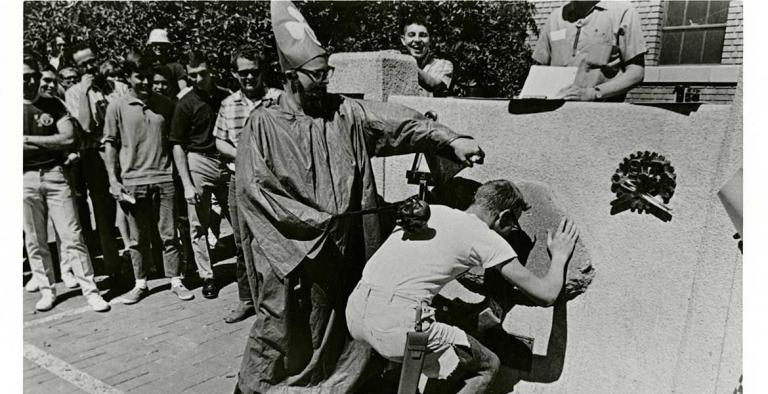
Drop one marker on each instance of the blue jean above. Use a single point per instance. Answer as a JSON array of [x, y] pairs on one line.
[[47, 192], [154, 207]]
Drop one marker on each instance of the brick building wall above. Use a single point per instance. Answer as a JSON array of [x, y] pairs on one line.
[[651, 13]]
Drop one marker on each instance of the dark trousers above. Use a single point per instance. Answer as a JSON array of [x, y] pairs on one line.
[[243, 287], [154, 208], [94, 175]]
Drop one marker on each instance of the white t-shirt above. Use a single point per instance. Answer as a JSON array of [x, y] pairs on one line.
[[421, 265]]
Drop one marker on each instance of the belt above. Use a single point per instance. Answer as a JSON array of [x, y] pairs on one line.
[[388, 293], [43, 170]]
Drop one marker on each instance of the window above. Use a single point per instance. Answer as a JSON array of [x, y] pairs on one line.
[[693, 32]]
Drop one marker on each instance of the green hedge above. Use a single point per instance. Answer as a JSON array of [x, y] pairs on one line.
[[484, 39]]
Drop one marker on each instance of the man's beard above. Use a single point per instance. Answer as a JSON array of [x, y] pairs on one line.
[[314, 101]]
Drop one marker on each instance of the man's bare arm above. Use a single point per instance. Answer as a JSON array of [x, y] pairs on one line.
[[180, 159], [430, 83], [544, 290], [60, 141], [226, 149]]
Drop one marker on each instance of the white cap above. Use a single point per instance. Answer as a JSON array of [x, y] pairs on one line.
[[158, 36]]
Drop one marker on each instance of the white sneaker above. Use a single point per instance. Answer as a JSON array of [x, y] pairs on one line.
[[46, 301], [32, 286], [69, 279], [97, 303]]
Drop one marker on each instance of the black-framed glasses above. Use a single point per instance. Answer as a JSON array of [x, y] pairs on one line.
[[254, 72], [202, 74], [71, 78], [318, 75]]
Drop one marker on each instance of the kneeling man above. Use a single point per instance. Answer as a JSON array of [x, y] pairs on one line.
[[413, 267]]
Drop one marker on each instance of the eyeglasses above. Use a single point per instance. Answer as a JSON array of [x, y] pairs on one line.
[[201, 74], [318, 75], [254, 72], [71, 78]]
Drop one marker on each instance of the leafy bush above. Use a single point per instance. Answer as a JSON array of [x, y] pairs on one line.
[[484, 39]]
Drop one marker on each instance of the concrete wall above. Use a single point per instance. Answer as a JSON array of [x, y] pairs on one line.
[[664, 312]]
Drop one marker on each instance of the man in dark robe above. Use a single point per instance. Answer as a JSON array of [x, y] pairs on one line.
[[300, 164]]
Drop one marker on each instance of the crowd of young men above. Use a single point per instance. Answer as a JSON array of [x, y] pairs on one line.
[[157, 141], [139, 143]]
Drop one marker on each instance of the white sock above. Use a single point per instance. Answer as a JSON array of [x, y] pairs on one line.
[[176, 281], [141, 283]]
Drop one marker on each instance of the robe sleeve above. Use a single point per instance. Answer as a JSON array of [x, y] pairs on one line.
[[392, 129]]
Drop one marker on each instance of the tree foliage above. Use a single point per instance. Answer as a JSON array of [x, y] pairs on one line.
[[484, 39]]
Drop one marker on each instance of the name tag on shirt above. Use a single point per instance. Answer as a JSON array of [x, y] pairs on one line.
[[557, 35]]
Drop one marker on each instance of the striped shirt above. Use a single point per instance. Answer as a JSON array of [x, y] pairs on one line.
[[234, 112]]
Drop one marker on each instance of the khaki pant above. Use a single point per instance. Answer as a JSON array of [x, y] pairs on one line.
[[46, 192]]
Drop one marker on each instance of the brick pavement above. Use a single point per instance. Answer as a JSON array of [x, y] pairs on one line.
[[160, 345]]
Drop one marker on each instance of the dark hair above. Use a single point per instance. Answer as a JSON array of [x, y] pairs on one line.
[[32, 60], [414, 20], [48, 67], [499, 195], [247, 52], [143, 68], [163, 70], [195, 58]]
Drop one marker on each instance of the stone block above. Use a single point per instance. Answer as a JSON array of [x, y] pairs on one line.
[[374, 75]]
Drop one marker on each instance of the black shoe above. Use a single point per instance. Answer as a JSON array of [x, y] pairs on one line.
[[210, 290]]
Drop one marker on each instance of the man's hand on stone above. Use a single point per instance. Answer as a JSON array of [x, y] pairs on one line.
[[577, 93], [467, 151], [561, 243]]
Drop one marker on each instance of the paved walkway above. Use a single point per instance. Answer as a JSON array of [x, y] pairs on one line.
[[160, 345]]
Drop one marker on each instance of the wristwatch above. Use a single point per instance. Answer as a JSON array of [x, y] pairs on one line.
[[598, 93]]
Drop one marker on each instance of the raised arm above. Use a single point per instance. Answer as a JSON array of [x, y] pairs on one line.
[[544, 291], [393, 129]]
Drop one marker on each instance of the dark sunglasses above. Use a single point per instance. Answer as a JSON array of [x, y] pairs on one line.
[[318, 75], [202, 74], [252, 72]]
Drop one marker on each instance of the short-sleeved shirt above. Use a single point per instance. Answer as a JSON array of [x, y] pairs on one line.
[[194, 119], [420, 266], [139, 130], [234, 112], [40, 118], [610, 33], [98, 102]]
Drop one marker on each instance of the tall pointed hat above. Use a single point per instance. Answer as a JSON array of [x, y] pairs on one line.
[[297, 44]]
